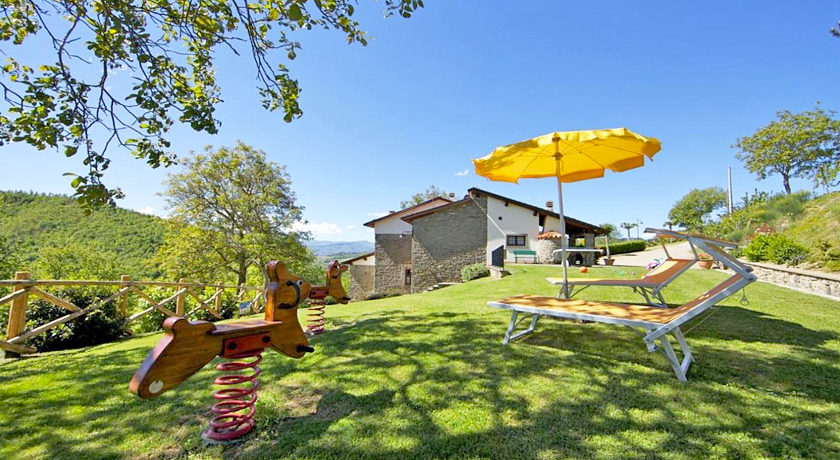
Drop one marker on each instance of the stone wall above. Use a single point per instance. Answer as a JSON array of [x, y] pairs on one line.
[[361, 281], [393, 258], [812, 282], [545, 251], [446, 241]]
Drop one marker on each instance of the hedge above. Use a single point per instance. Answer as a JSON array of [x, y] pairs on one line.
[[627, 246]]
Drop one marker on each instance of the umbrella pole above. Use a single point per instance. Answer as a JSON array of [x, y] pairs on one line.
[[563, 256]]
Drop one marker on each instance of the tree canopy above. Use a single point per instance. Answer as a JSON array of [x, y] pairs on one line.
[[804, 145], [431, 192], [611, 230], [695, 209], [232, 210], [627, 226], [122, 73]]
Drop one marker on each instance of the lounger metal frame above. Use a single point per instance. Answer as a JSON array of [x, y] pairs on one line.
[[567, 288], [654, 332]]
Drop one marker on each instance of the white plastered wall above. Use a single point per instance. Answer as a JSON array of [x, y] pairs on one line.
[[369, 260], [394, 225], [516, 220]]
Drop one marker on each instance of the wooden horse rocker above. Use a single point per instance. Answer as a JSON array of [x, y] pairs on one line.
[[187, 346]]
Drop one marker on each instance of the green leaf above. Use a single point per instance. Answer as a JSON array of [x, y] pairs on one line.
[[295, 14]]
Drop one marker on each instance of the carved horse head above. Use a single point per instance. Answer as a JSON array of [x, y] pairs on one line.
[[334, 287]]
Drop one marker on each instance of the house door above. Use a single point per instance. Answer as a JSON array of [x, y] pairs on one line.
[[497, 257]]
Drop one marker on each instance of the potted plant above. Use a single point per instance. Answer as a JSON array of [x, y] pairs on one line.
[[705, 261], [607, 260]]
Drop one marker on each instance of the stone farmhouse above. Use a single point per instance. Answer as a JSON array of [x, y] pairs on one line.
[[429, 243]]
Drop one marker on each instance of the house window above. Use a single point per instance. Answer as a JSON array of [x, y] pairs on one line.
[[408, 277], [516, 240]]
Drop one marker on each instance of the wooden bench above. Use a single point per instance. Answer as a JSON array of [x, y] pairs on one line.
[[524, 253]]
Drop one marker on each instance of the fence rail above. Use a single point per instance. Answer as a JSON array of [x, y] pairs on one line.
[[24, 288]]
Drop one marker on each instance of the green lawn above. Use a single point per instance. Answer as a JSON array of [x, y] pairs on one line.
[[425, 376]]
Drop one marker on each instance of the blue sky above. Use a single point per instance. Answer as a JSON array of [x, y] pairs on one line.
[[460, 78]]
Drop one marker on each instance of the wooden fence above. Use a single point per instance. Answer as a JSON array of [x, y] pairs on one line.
[[23, 287]]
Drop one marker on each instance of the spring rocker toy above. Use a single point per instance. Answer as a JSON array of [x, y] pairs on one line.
[[188, 346]]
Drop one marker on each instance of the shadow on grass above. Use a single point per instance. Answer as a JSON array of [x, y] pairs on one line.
[[461, 363], [402, 385]]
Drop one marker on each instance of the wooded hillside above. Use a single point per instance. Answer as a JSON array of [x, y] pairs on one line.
[[40, 225]]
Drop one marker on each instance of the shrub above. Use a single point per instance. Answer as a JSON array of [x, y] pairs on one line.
[[474, 271], [627, 246], [761, 208], [150, 322], [153, 321], [102, 325], [776, 248]]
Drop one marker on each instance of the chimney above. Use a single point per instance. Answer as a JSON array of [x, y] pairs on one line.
[[549, 205]]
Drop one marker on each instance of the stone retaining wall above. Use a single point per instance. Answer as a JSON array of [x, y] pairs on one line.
[[812, 282]]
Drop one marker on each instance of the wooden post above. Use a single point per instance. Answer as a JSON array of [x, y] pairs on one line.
[[17, 313], [181, 300], [219, 298], [124, 298]]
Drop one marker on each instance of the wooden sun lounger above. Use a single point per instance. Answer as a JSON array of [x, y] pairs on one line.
[[657, 322], [649, 285]]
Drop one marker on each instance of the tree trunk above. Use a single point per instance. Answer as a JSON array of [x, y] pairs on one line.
[[628, 234], [242, 271], [786, 182]]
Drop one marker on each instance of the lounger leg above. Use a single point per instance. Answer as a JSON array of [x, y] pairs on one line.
[[565, 292], [510, 336], [644, 293], [672, 358], [661, 298], [687, 356], [511, 326]]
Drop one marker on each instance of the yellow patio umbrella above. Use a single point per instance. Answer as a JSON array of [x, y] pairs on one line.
[[569, 156]]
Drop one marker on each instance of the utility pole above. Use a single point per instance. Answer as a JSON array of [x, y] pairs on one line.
[[638, 225], [729, 191]]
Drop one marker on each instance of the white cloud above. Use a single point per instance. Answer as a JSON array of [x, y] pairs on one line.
[[349, 227], [462, 173], [317, 229], [377, 214], [146, 210]]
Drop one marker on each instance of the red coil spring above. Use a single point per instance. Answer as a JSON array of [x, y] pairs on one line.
[[234, 413], [315, 317]]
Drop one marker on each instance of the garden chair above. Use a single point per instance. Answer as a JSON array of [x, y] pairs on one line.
[[657, 323]]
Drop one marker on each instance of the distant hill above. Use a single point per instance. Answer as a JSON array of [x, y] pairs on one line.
[[339, 249], [128, 239], [32, 221]]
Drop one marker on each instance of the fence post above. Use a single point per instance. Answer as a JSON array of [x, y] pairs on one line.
[[181, 300], [17, 313], [219, 298], [124, 279]]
